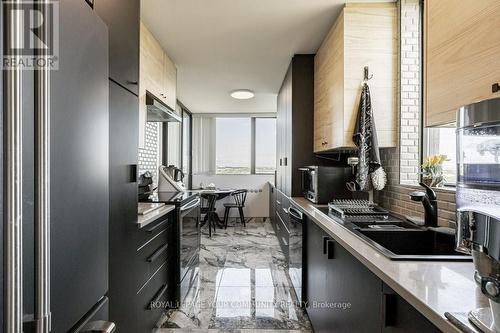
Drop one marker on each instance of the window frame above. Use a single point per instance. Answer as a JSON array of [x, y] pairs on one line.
[[253, 147]]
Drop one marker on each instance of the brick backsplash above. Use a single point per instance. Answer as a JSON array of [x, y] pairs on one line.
[[395, 197], [149, 155]]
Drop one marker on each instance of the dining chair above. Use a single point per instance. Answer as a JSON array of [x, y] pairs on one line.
[[208, 201], [239, 197]]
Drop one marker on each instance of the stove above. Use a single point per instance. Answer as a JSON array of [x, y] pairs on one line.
[[358, 209]]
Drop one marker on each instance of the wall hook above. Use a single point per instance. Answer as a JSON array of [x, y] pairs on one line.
[[367, 74]]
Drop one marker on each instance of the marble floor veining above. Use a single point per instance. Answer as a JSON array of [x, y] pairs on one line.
[[243, 286]]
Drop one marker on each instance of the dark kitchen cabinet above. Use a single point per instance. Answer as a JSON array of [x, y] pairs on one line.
[[345, 296], [122, 18], [123, 113], [340, 289], [295, 125], [398, 316]]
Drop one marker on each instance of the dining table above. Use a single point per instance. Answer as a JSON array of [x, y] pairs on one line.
[[221, 194]]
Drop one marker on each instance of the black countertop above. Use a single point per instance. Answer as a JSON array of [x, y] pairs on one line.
[[172, 198]]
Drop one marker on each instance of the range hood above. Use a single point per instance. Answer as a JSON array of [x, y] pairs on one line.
[[159, 111]]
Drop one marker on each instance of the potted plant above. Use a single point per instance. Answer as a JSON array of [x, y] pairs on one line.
[[432, 171]]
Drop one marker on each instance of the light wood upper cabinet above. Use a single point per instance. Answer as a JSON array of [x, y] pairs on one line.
[[462, 46], [363, 35], [157, 75]]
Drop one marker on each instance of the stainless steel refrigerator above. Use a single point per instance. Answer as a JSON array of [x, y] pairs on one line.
[[56, 194]]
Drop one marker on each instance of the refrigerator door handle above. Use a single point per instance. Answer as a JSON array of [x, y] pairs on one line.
[[42, 187], [13, 273]]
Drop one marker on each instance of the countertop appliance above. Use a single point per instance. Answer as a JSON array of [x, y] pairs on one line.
[[321, 184], [157, 111], [170, 179], [298, 220], [478, 202], [188, 216], [145, 184]]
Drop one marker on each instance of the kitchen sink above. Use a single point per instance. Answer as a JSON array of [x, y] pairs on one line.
[[415, 244], [398, 239]]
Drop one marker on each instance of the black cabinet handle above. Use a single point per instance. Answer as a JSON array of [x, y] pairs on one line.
[[134, 83], [495, 87], [157, 296], [330, 249], [325, 246], [389, 308], [281, 161], [157, 253], [133, 173], [285, 161], [153, 228]]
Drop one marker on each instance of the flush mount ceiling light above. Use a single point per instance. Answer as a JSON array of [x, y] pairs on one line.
[[242, 94]]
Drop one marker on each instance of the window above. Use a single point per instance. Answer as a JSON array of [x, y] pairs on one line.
[[245, 146], [434, 141], [442, 141], [233, 145], [265, 145]]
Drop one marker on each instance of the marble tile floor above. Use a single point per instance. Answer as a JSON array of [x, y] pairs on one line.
[[243, 286]]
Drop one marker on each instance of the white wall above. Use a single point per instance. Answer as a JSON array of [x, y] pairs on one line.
[[257, 203]]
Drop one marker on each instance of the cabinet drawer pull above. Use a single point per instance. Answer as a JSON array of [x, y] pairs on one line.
[[157, 296], [330, 249], [157, 253], [153, 228], [389, 305], [325, 240], [495, 87], [134, 83]]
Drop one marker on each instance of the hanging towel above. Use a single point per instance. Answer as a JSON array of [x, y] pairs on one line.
[[369, 171]]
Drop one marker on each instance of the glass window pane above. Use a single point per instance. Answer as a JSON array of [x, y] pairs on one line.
[[442, 141], [233, 145], [265, 145]]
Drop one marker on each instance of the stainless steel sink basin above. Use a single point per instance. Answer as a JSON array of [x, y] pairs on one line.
[[416, 244]]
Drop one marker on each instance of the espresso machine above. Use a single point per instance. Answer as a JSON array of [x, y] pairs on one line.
[[478, 203]]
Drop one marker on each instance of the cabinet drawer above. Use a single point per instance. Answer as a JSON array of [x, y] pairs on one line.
[[152, 298], [147, 233], [152, 255]]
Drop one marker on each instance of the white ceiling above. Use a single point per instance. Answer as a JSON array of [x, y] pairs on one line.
[[222, 45]]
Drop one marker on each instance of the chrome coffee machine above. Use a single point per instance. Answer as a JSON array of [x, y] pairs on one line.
[[478, 202]]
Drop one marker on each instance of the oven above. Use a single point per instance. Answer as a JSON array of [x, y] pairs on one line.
[[295, 248], [190, 238]]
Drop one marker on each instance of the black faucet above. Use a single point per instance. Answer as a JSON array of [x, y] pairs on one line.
[[429, 200]]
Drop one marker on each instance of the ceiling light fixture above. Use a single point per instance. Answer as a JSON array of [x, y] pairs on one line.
[[242, 94]]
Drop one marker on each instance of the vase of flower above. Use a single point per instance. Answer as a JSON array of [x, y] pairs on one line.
[[432, 171]]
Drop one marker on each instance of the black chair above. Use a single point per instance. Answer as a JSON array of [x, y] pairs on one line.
[[239, 197], [208, 201]]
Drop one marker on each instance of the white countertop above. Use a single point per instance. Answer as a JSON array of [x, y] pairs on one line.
[[432, 287], [158, 211]]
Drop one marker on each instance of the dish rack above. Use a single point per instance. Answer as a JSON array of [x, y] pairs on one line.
[[349, 208]]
